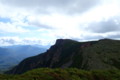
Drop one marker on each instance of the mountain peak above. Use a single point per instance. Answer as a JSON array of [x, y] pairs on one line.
[[62, 41], [69, 53], [59, 41], [105, 39]]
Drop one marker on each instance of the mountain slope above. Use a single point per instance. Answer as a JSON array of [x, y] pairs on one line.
[[64, 74], [24, 51], [12, 55], [6, 60], [102, 54]]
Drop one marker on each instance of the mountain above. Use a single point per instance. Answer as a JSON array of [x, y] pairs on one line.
[[24, 51], [64, 74], [6, 60], [103, 54], [12, 55]]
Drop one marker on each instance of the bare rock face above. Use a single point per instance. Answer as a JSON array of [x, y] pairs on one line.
[[102, 54]]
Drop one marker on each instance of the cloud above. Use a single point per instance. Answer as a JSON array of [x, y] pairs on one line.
[[68, 6], [7, 41], [110, 25], [11, 28], [48, 20], [117, 36]]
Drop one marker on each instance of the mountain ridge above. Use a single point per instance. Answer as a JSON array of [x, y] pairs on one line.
[[12, 55], [101, 54]]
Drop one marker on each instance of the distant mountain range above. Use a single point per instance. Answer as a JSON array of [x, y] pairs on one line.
[[12, 55], [103, 54]]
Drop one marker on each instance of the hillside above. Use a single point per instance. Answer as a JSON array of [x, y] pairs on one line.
[[6, 60], [64, 74], [103, 54], [12, 55]]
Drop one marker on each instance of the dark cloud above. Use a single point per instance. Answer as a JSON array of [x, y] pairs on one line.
[[40, 25], [104, 26], [68, 6], [114, 36], [93, 37]]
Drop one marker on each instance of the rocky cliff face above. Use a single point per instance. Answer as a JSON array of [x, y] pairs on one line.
[[102, 54]]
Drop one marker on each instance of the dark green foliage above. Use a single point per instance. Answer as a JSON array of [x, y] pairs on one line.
[[64, 74], [116, 63]]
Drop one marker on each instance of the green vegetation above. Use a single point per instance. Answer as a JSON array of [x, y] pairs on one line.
[[64, 74]]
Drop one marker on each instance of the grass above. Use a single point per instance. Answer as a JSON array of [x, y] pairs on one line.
[[64, 74]]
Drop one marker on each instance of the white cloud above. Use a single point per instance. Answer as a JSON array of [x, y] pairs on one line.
[[7, 41], [75, 19], [11, 28]]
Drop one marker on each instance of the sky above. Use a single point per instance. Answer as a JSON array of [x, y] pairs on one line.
[[41, 22]]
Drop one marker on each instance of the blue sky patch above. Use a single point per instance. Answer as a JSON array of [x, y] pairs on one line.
[[5, 20]]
